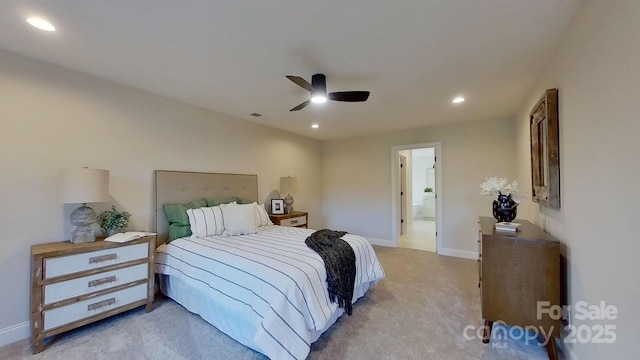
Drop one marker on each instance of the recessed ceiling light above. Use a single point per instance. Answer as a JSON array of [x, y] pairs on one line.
[[40, 23], [315, 126], [458, 100]]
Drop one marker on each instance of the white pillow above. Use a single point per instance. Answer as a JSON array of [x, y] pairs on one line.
[[262, 218], [206, 221], [238, 219]]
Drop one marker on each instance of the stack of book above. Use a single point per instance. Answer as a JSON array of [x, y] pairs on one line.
[[507, 226]]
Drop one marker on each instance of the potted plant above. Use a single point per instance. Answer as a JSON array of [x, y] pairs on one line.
[[113, 221], [428, 189]]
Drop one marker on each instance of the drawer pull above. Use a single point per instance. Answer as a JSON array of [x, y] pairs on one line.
[[102, 258], [100, 304], [98, 282], [294, 221]]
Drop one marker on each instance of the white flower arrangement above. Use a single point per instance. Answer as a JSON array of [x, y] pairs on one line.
[[494, 186]]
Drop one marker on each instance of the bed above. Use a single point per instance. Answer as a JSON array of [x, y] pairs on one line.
[[264, 288]]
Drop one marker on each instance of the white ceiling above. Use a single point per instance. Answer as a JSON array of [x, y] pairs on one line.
[[232, 56]]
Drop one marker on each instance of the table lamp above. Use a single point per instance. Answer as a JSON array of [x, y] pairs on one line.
[[82, 186], [288, 185]]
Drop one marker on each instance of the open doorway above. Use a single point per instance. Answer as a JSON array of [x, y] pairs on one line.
[[415, 180]]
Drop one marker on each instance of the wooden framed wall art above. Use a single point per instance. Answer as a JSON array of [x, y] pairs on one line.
[[545, 157]]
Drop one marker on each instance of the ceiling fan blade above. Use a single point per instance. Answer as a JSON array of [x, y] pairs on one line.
[[301, 105], [349, 96], [300, 82]]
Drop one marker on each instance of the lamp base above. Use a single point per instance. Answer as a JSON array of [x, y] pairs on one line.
[[83, 234], [82, 218], [288, 204]]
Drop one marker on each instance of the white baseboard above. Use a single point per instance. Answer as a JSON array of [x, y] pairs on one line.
[[459, 253], [380, 242], [14, 333], [465, 254]]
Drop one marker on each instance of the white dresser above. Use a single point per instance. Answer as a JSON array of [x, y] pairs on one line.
[[75, 284]]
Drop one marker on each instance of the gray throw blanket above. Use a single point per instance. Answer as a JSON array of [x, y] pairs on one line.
[[340, 262]]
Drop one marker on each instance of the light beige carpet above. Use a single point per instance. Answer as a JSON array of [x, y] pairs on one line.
[[419, 311]]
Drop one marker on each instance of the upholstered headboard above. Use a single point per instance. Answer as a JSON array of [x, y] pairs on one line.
[[180, 187]]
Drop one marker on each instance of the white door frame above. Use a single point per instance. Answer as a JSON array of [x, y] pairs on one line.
[[403, 197], [395, 181]]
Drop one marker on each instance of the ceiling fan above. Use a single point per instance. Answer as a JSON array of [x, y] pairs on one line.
[[318, 89]]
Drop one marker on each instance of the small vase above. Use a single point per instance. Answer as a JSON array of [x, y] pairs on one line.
[[504, 208], [113, 231]]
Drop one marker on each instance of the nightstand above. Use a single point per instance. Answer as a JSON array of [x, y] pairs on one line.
[[295, 219], [76, 284]]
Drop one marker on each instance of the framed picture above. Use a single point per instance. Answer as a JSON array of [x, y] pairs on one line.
[[277, 206], [545, 157]]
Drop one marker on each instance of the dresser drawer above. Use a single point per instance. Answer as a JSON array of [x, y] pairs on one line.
[[63, 265], [294, 221], [83, 309], [92, 283]]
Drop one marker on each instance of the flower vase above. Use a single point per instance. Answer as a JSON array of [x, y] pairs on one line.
[[111, 232], [504, 208]]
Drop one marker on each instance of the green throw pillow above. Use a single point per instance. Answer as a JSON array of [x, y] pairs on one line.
[[177, 231], [178, 219]]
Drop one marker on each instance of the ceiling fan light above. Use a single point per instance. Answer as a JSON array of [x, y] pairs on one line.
[[318, 98], [319, 86]]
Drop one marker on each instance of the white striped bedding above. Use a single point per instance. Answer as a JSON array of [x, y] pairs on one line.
[[266, 290]]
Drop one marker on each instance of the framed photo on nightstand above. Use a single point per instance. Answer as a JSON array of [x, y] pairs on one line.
[[277, 206]]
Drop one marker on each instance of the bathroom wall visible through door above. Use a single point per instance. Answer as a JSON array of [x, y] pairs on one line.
[[417, 201]]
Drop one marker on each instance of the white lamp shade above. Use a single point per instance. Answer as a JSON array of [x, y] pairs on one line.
[[82, 185], [288, 185]]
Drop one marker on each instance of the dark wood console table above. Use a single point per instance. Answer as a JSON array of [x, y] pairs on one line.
[[518, 270]]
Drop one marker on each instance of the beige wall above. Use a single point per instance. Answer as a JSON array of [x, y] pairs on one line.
[[52, 118], [48, 114], [356, 175], [597, 73]]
